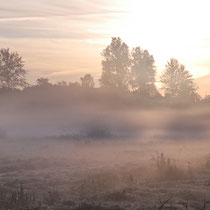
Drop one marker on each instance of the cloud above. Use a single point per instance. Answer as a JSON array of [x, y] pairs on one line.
[[81, 19], [45, 8], [17, 19], [36, 31], [50, 28]]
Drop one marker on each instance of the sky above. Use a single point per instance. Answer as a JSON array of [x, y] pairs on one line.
[[63, 39]]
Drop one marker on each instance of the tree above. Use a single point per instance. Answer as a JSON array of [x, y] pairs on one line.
[[115, 65], [74, 84], [43, 82], [177, 82], [62, 84], [143, 72], [12, 73], [206, 99], [87, 81]]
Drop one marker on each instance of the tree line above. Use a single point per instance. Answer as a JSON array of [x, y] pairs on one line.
[[124, 70], [135, 71]]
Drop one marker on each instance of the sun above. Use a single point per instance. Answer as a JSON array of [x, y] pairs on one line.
[[168, 29]]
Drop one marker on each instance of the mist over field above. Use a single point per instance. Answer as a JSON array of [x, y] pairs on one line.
[[62, 113]]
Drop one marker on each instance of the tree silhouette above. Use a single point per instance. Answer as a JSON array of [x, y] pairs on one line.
[[115, 65], [62, 84], [43, 82], [178, 82], [74, 84], [143, 72], [87, 81], [12, 74]]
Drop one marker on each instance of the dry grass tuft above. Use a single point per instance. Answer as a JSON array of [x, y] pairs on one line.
[[167, 168]]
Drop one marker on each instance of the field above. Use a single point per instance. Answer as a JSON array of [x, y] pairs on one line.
[[125, 174]]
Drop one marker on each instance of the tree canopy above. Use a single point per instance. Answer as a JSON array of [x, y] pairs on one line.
[[43, 82], [12, 73], [87, 81], [143, 71], [177, 82], [115, 65]]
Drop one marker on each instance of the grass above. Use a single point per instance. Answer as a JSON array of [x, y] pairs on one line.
[[112, 189], [17, 199], [119, 196], [167, 168], [20, 199], [92, 206], [98, 183], [207, 164], [52, 197]]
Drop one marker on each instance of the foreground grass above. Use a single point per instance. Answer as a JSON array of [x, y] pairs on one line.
[[169, 186]]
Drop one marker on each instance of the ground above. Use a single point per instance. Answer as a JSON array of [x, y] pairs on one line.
[[112, 174]]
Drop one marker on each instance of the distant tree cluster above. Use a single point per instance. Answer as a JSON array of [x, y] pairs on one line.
[[135, 71], [87, 81], [13, 74], [129, 71]]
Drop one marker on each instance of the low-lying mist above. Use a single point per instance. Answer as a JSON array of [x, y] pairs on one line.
[[82, 115]]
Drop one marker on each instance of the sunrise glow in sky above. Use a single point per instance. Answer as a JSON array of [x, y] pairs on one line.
[[63, 39]]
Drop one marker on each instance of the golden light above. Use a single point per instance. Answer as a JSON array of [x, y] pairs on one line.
[[168, 29]]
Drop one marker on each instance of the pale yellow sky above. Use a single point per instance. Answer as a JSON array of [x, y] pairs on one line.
[[63, 39]]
